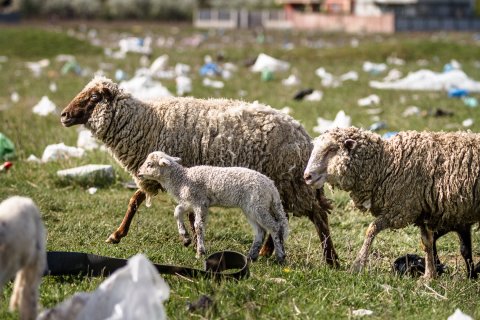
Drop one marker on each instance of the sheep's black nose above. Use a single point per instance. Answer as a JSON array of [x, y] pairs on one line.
[[307, 177], [64, 114]]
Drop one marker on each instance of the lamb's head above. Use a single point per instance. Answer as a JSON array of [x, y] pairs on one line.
[[332, 156], [156, 166], [93, 102]]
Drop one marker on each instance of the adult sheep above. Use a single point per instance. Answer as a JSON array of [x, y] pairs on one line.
[[216, 132], [429, 179]]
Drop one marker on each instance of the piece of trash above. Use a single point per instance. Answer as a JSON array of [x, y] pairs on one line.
[[388, 135], [86, 140], [37, 67], [457, 93], [120, 75], [92, 190], [292, 80], [328, 80], [135, 291], [396, 61], [184, 85], [393, 74], [411, 111], [429, 80], [210, 69], [341, 121], [33, 158], [374, 112], [351, 75], [135, 44], [3, 59], [470, 102], [316, 95], [267, 75], [182, 69], [71, 66], [413, 265], [467, 122], [368, 101], [5, 166], [374, 68], [130, 185], [286, 110], [89, 175], [213, 83], [61, 151], [299, 95], [144, 88], [452, 65], [362, 312], [44, 107], [15, 97], [377, 126], [52, 87], [159, 64], [459, 315], [264, 61], [202, 304], [439, 112], [7, 148]]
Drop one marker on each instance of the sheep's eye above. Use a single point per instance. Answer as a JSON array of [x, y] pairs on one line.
[[95, 97], [149, 164]]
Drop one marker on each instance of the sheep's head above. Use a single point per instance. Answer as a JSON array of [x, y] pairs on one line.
[[156, 166], [95, 98], [331, 157]]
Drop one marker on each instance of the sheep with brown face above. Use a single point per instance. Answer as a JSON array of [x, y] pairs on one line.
[[218, 132], [22, 253], [429, 179], [200, 187]]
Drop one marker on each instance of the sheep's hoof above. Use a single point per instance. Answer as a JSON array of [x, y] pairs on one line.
[[281, 260], [186, 241], [252, 258], [112, 239], [357, 267]]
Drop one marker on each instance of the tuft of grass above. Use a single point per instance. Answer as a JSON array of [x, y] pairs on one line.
[[305, 288]]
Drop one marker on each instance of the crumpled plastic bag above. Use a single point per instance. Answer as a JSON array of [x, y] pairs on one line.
[[267, 62], [7, 148], [341, 121], [89, 175], [135, 291], [459, 315], [44, 107], [61, 151]]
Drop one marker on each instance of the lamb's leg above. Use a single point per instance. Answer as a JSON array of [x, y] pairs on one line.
[[257, 241], [25, 292], [191, 218], [373, 229], [427, 240], [278, 240], [465, 235], [135, 201], [200, 217], [179, 211]]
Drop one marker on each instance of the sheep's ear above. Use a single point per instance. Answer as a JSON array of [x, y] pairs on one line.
[[350, 144], [176, 159], [164, 162], [107, 94]]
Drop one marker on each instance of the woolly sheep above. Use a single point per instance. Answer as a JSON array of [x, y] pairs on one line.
[[22, 252], [200, 187], [217, 132], [429, 179]]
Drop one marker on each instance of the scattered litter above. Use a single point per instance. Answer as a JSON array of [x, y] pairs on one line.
[[52, 87], [182, 69], [159, 64], [213, 83], [316, 95], [374, 68], [15, 97], [86, 140], [144, 88], [210, 69], [429, 80], [135, 291], [368, 101], [389, 134], [413, 265], [459, 315], [374, 112], [71, 66], [61, 151], [267, 62], [328, 80], [37, 67], [299, 95], [341, 121], [184, 85], [393, 74], [286, 110], [5, 166], [292, 80], [467, 122], [33, 158], [453, 65], [350, 75], [135, 44], [3, 59], [44, 107], [92, 190], [411, 111], [377, 126], [267, 75], [120, 75], [470, 102], [439, 112], [395, 61], [202, 304], [457, 93], [89, 175], [7, 148], [362, 312]]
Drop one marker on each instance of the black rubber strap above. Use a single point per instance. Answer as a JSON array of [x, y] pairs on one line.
[[86, 264]]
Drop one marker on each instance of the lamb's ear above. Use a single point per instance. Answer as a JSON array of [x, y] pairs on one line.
[[350, 144], [163, 162]]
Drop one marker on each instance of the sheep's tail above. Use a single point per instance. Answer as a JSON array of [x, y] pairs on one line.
[[280, 216]]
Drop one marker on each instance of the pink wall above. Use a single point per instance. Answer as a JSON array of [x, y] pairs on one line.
[[344, 23]]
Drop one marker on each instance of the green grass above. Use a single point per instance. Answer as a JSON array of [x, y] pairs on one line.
[[305, 288]]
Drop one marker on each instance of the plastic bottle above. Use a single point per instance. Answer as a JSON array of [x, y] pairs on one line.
[[5, 166]]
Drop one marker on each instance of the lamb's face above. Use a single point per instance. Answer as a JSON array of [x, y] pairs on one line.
[[156, 166], [327, 160], [95, 96]]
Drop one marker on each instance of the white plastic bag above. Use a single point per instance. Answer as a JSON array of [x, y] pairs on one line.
[[133, 292], [61, 151], [44, 107]]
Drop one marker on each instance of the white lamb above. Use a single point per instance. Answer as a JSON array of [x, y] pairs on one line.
[[197, 188], [22, 252]]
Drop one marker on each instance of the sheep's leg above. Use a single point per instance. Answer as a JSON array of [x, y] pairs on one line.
[[464, 233], [320, 220], [373, 229], [178, 214], [427, 240], [278, 241], [257, 241], [200, 217], [191, 218], [135, 201], [25, 292]]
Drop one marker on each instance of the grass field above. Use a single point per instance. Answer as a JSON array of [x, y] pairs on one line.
[[305, 288]]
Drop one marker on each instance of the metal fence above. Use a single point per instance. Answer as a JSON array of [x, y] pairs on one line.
[[436, 24]]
